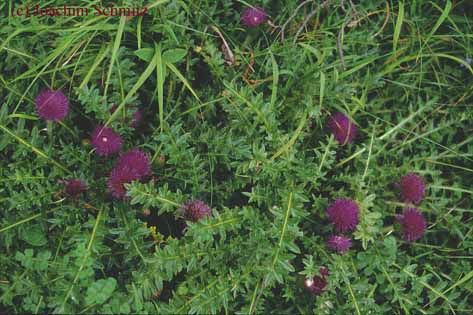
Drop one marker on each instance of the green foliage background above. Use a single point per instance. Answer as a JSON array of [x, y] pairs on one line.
[[249, 139]]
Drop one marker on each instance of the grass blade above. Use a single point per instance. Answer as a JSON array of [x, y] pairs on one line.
[[33, 148], [160, 82], [439, 22], [397, 29], [293, 139], [116, 46], [100, 56], [274, 91], [183, 79], [322, 88], [84, 259], [144, 76], [24, 221], [156, 3]]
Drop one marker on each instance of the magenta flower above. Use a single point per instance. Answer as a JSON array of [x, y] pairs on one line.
[[118, 178], [413, 224], [324, 272], [132, 165], [253, 17], [342, 128], [74, 187], [113, 109], [106, 141], [194, 210], [339, 243], [52, 105], [412, 188], [136, 160], [343, 213], [136, 119], [316, 285]]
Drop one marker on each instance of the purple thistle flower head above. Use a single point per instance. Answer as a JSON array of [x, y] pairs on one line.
[[52, 105], [118, 178], [324, 272], [74, 187], [194, 210], [137, 117], [253, 17], [132, 165], [106, 141], [412, 188], [136, 160], [413, 224], [339, 243], [316, 285], [342, 128], [343, 213], [113, 109]]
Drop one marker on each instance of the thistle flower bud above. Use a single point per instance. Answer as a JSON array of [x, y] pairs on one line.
[[194, 210], [253, 17], [74, 187], [339, 243], [316, 285], [412, 188], [342, 128]]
